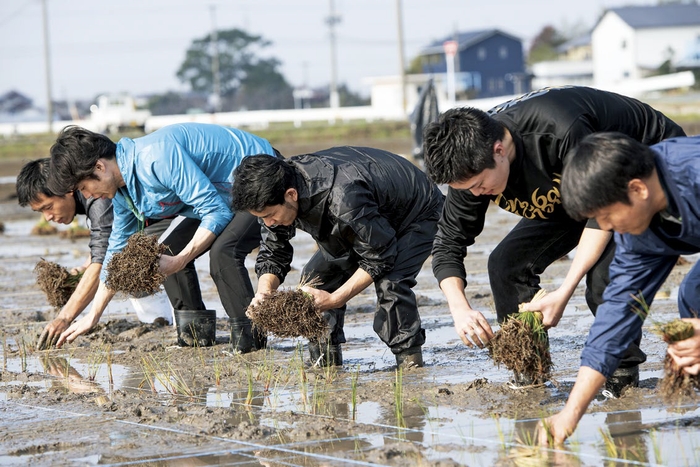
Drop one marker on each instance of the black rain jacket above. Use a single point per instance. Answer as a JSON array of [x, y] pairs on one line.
[[355, 202]]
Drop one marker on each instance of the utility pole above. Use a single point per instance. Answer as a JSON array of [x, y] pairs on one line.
[[216, 78], [332, 20], [47, 66], [402, 65]]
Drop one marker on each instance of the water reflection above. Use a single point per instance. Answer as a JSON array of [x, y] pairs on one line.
[[625, 437], [68, 377]]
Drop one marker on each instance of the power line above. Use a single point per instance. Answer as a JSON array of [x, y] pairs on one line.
[[19, 10]]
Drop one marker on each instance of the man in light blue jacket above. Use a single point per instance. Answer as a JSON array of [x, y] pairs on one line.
[[180, 170]]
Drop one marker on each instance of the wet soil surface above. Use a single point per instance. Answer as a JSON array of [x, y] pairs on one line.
[[127, 394]]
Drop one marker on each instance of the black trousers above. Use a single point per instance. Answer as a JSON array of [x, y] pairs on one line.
[[396, 320], [226, 264], [516, 264]]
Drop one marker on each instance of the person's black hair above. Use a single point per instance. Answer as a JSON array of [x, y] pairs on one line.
[[598, 171], [74, 156], [460, 144], [31, 182], [260, 181]]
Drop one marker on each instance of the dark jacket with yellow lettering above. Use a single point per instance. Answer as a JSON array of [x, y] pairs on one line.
[[545, 125]]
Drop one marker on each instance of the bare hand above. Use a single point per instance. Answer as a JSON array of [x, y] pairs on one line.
[[686, 353], [554, 430], [323, 300], [258, 299], [51, 333], [76, 271], [76, 329], [472, 328], [169, 265], [551, 306]]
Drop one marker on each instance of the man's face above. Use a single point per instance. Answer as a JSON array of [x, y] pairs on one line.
[[60, 209], [102, 186], [489, 182], [280, 214], [633, 218], [625, 218]]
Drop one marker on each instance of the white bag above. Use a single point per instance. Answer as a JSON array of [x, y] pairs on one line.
[[152, 307]]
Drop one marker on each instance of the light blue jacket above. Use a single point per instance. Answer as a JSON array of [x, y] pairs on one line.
[[184, 169]]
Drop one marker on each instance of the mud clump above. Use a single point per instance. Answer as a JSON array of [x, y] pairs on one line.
[[676, 384], [56, 282], [134, 270], [522, 346], [43, 228], [74, 231], [289, 313]]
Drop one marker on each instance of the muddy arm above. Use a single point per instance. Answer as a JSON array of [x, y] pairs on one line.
[[590, 248], [358, 282], [81, 297], [102, 298], [201, 240], [555, 429], [470, 324]]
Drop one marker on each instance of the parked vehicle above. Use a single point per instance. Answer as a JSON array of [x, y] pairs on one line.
[[117, 112]]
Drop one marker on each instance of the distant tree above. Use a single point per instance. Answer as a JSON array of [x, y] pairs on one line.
[[544, 46], [172, 103], [263, 88], [348, 98], [239, 60]]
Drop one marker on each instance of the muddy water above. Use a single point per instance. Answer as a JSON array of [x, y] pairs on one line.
[[127, 395]]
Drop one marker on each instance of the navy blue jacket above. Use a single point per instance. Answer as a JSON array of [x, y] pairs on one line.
[[643, 262]]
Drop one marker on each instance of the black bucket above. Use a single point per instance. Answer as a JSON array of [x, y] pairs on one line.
[[195, 328]]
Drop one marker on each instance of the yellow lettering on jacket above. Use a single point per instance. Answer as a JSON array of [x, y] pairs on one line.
[[539, 206]]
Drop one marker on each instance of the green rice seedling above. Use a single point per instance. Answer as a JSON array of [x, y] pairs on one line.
[[148, 374], [317, 397], [217, 370], [499, 432], [267, 370], [109, 367], [522, 345], [4, 351], [23, 354], [301, 374], [172, 380], [353, 388], [249, 374], [609, 442], [178, 384], [94, 362], [398, 397]]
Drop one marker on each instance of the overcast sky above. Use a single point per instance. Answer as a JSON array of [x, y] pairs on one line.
[[138, 45]]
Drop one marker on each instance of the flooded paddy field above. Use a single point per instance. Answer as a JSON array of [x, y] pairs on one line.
[[126, 394]]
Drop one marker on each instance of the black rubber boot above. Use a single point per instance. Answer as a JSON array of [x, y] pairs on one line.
[[244, 338], [324, 354], [410, 358], [622, 378]]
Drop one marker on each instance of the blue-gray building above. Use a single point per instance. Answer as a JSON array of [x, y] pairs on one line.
[[488, 63]]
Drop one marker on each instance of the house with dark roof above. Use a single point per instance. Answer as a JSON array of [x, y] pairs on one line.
[[632, 42], [488, 63]]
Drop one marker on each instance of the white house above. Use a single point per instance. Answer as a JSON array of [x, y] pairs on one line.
[[631, 42]]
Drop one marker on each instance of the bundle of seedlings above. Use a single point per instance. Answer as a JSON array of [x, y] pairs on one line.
[[134, 270], [676, 383], [43, 228], [56, 282], [74, 231], [290, 313], [522, 346]]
